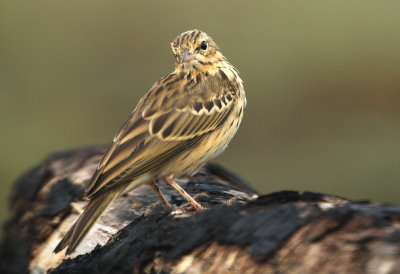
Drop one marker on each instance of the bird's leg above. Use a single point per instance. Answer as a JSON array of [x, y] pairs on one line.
[[160, 195], [181, 191]]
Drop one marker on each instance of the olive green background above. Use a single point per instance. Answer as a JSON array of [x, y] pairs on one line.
[[321, 77]]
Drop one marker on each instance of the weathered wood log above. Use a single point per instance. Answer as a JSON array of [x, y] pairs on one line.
[[239, 232]]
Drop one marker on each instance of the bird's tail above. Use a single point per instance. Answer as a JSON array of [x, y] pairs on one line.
[[82, 226]]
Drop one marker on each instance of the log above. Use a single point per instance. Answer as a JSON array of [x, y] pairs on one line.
[[239, 232]]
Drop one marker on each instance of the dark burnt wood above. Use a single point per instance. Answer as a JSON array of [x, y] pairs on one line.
[[283, 232]]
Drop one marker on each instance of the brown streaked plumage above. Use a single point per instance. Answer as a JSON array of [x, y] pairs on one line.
[[186, 118]]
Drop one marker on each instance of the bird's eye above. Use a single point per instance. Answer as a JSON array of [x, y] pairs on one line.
[[203, 45]]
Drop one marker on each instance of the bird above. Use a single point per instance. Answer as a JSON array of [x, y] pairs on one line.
[[184, 120]]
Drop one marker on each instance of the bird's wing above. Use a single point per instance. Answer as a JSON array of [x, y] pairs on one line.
[[160, 129]]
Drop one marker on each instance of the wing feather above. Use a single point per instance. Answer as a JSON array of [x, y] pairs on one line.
[[154, 133], [188, 123]]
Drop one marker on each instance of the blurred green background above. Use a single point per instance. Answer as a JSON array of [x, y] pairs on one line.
[[322, 82]]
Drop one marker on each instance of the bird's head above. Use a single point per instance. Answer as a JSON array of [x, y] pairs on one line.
[[194, 50]]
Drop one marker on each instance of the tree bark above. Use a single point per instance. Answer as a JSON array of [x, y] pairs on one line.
[[239, 232]]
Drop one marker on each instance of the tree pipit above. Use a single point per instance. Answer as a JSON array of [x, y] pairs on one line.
[[186, 118]]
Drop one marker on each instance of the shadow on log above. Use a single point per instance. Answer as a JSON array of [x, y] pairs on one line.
[[239, 232]]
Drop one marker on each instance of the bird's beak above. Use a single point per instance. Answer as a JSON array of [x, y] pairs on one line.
[[187, 56]]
